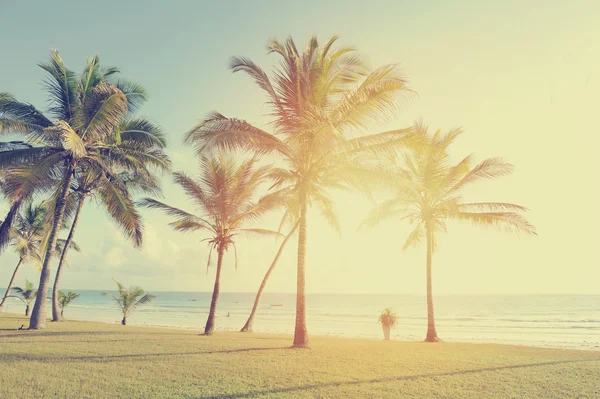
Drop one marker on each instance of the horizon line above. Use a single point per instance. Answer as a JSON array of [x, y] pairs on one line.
[[358, 293]]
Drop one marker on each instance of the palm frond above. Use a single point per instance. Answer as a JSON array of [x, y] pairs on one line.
[[491, 207], [24, 156], [143, 300], [135, 93], [12, 109], [246, 65], [415, 237], [121, 208], [259, 232], [169, 210], [6, 225], [488, 169], [8, 126], [507, 221], [218, 132], [105, 107], [70, 139], [141, 131], [61, 84]]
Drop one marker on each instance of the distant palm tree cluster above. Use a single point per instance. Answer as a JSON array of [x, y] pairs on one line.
[[325, 104]]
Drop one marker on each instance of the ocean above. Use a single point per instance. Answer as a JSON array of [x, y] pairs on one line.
[[563, 321]]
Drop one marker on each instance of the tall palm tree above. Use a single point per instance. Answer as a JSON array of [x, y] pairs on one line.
[[27, 295], [323, 101], [86, 110], [429, 193], [93, 182], [129, 299], [26, 236], [64, 299], [226, 196]]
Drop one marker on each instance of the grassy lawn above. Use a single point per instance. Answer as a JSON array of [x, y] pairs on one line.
[[94, 360]]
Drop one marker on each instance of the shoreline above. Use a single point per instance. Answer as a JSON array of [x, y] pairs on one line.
[[554, 322], [290, 335]]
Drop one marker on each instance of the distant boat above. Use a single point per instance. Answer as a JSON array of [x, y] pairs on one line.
[[277, 304], [192, 299]]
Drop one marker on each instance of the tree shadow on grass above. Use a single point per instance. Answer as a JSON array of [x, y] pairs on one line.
[[34, 333], [283, 391], [108, 358], [95, 341]]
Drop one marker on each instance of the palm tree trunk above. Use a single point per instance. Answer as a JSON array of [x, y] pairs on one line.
[[124, 321], [10, 284], [210, 323], [431, 332], [56, 313], [300, 331], [248, 326], [38, 316]]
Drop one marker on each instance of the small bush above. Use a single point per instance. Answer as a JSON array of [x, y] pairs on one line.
[[388, 318]]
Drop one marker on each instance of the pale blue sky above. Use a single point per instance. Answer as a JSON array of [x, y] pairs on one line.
[[521, 79]]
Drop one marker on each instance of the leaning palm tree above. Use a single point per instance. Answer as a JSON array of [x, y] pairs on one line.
[[85, 113], [323, 100], [64, 299], [226, 196], [429, 193], [93, 182], [27, 295], [129, 299], [25, 239]]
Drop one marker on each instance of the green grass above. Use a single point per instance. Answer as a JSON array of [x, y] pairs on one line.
[[95, 360]]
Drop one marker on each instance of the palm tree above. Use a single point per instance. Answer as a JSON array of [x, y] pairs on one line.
[[80, 133], [130, 299], [93, 182], [25, 239], [226, 195], [64, 299], [323, 100], [27, 295], [429, 193]]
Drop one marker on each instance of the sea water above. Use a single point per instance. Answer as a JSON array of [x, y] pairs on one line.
[[568, 321]]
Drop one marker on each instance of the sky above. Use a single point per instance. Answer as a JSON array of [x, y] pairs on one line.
[[521, 79]]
